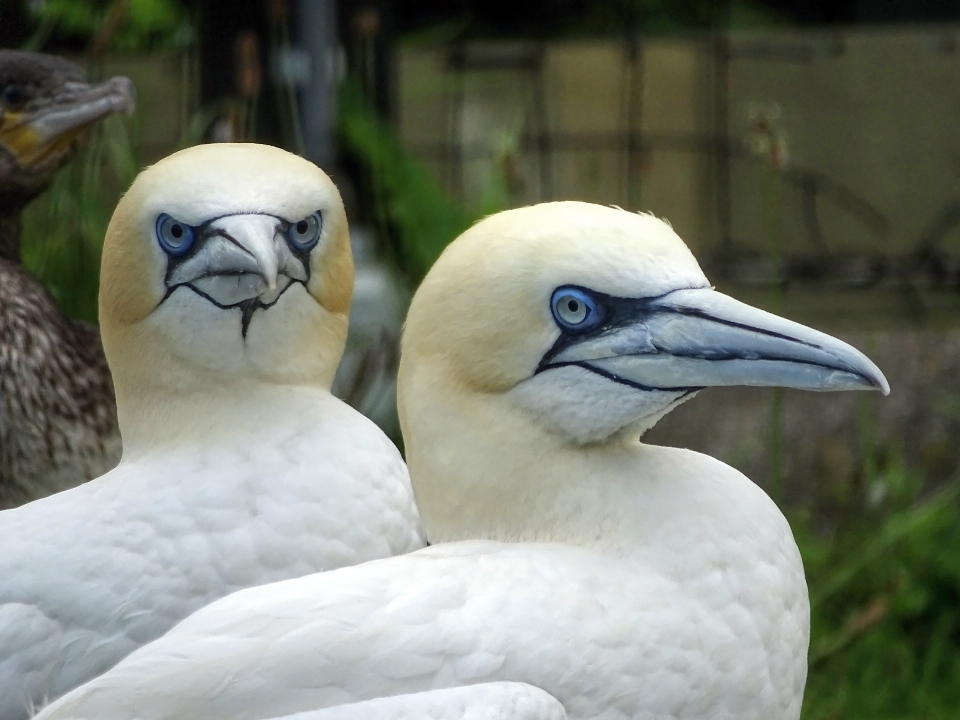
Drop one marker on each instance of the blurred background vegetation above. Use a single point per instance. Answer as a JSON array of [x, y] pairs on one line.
[[880, 536]]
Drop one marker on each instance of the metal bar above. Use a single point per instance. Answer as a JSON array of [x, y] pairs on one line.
[[318, 36]]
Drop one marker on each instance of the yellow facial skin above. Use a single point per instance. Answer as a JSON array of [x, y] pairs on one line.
[[45, 129], [28, 145]]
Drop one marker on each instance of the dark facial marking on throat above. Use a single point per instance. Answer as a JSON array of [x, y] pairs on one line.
[[246, 307]]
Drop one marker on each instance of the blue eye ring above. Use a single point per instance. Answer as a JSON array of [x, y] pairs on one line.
[[175, 237], [304, 234], [575, 310]]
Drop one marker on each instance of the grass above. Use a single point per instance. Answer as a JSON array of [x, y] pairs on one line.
[[885, 603]]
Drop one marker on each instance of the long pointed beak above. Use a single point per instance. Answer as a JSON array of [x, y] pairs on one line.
[[691, 339], [238, 258], [36, 134]]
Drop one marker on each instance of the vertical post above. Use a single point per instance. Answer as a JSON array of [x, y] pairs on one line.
[[454, 143], [317, 30], [635, 148], [542, 119], [724, 144]]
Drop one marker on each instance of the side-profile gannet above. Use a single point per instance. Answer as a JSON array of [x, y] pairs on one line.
[[226, 283], [58, 417], [624, 580]]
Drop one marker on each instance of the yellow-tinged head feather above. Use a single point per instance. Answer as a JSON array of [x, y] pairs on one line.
[[478, 328], [484, 306], [209, 181], [164, 328]]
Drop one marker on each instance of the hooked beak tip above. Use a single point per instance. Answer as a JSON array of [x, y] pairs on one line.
[[880, 383], [870, 377]]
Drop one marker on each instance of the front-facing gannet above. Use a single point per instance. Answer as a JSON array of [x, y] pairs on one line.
[[624, 580], [226, 285]]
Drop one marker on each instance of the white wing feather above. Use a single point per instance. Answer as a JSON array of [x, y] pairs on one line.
[[604, 639], [490, 701], [91, 574]]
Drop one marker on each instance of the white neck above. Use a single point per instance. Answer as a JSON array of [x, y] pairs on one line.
[[218, 413], [483, 470], [168, 397]]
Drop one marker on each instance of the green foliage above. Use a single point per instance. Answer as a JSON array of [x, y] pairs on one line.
[[885, 605], [673, 16], [408, 198], [143, 24], [63, 230]]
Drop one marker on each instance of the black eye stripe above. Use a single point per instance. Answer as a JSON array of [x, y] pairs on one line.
[[613, 313], [202, 233]]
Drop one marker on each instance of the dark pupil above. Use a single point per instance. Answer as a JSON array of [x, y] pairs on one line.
[[302, 227], [177, 231], [13, 95], [573, 305]]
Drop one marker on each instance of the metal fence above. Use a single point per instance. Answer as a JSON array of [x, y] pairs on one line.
[[824, 156]]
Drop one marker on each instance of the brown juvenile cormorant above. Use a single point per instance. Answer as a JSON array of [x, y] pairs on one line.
[[58, 425]]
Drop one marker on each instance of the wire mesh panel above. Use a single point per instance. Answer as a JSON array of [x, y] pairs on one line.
[[776, 155]]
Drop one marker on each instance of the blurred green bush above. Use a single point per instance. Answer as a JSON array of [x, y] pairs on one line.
[[63, 229], [885, 602], [411, 206], [123, 25]]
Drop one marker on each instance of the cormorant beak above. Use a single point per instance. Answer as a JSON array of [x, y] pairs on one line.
[[697, 338], [237, 258], [44, 130]]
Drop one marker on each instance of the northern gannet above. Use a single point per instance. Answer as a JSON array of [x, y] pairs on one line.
[[226, 284], [58, 418], [622, 579]]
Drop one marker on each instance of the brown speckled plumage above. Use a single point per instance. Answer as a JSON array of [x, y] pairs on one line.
[[58, 421], [58, 424]]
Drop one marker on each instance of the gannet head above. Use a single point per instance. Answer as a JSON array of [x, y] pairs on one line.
[[224, 263], [594, 322]]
